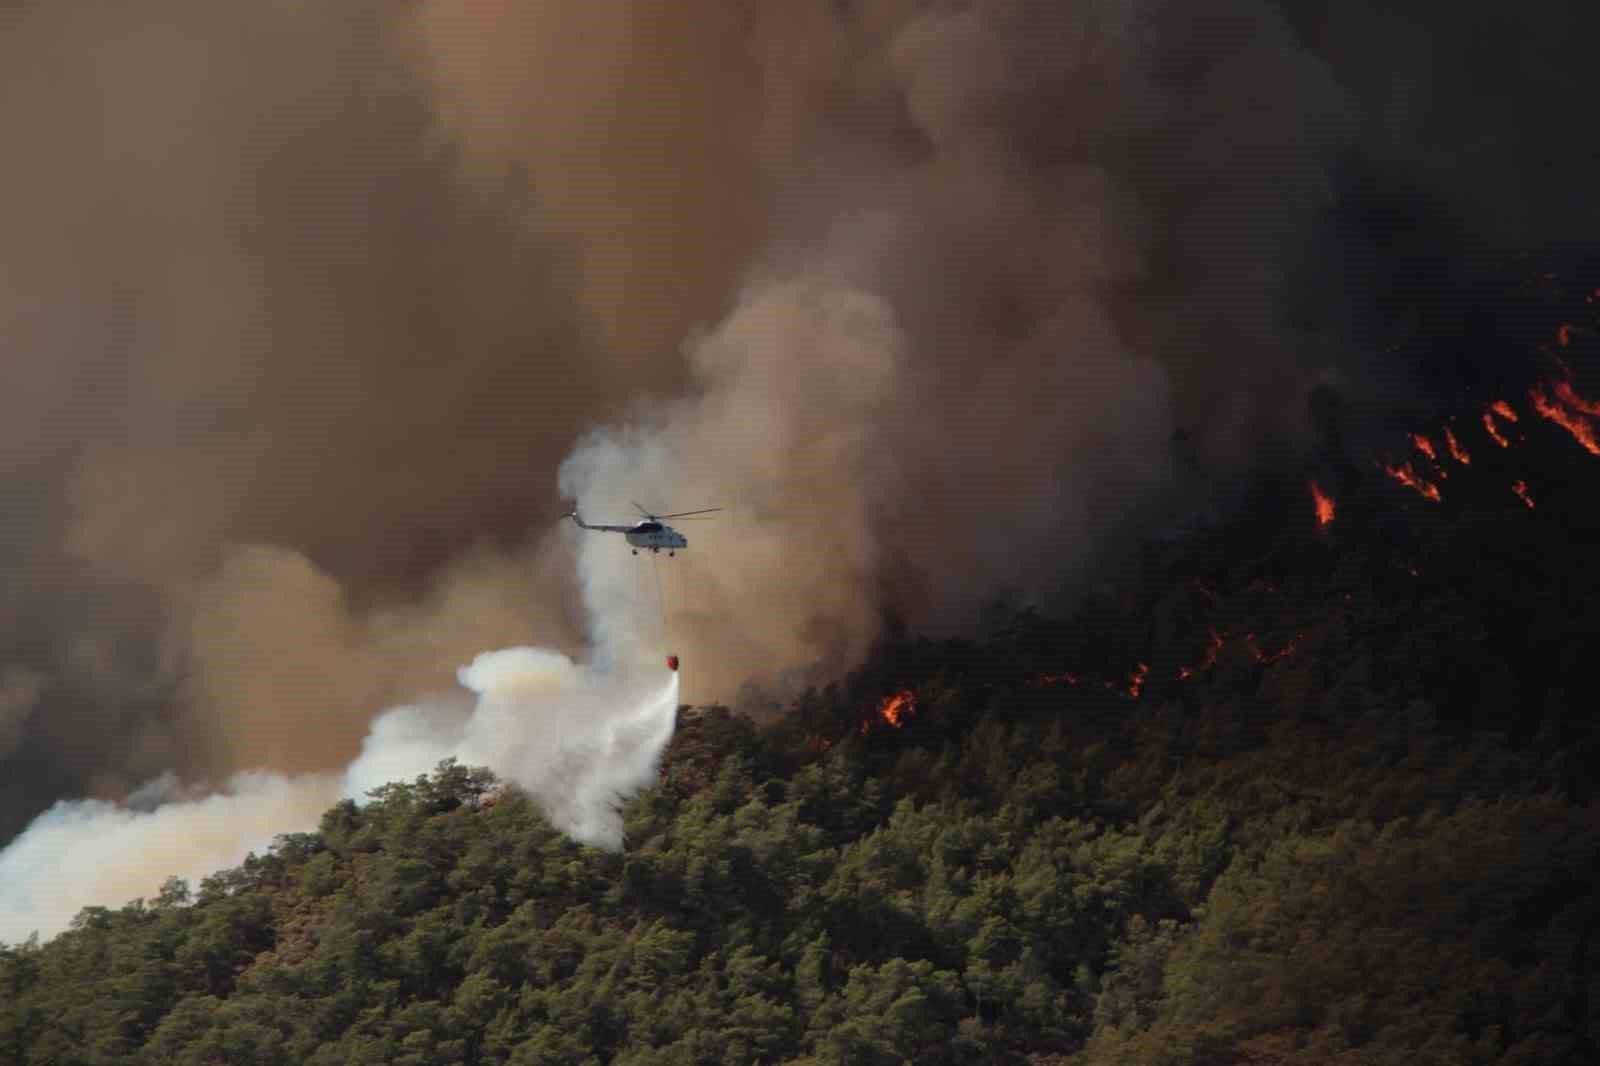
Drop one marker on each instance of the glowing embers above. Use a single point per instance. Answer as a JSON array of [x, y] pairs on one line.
[[1130, 688], [1457, 452], [1266, 657], [1323, 503], [1407, 475], [1521, 489], [1570, 411], [1218, 642], [1425, 446], [1205, 664]]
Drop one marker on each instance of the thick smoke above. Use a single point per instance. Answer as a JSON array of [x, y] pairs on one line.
[[579, 738], [83, 853], [576, 741], [305, 304]]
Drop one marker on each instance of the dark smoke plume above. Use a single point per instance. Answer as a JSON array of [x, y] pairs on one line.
[[306, 305]]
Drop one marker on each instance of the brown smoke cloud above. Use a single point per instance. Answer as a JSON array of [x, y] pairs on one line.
[[248, 303], [306, 304]]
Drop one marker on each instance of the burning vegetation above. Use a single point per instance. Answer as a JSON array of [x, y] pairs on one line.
[[897, 708], [1494, 431], [1206, 663], [1569, 416], [1408, 476], [1556, 401], [1267, 657], [1325, 507]]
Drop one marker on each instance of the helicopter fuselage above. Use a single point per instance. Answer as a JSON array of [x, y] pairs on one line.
[[654, 536], [648, 535]]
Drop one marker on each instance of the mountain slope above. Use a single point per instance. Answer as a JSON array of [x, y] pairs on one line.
[[1292, 791]]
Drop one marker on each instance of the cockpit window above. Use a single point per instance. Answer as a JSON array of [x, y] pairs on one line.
[[647, 527]]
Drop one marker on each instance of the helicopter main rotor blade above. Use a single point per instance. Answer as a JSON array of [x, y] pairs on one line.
[[637, 506], [681, 514]]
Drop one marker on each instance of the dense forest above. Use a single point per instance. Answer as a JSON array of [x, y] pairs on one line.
[[1310, 781]]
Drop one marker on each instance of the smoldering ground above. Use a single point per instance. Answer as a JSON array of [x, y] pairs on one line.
[[305, 305]]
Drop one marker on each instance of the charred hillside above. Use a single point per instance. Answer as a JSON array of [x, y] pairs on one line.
[[1314, 783]]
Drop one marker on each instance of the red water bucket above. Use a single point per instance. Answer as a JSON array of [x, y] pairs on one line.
[[672, 662]]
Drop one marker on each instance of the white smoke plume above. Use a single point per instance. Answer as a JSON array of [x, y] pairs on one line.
[[579, 738], [83, 853]]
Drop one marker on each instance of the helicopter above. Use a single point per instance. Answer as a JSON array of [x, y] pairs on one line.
[[650, 533]]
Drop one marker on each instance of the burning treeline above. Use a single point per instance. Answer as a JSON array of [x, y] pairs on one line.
[[1558, 402], [1501, 425], [1441, 460]]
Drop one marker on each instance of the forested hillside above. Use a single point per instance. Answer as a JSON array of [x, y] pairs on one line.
[[1316, 783]]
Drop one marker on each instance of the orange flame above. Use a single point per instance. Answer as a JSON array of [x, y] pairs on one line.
[[1456, 450], [1135, 681], [897, 708], [1411, 479], [1504, 410], [1573, 423], [1494, 434], [1564, 334], [1324, 504], [1054, 679], [1569, 396], [1521, 489], [1425, 446]]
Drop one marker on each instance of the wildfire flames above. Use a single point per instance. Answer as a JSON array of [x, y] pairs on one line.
[[1323, 503], [1408, 476], [1205, 664], [1499, 409], [1569, 396], [897, 708], [1493, 431], [1569, 415], [1218, 641], [1271, 657], [1553, 400]]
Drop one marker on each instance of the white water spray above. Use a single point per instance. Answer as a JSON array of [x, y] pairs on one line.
[[579, 738]]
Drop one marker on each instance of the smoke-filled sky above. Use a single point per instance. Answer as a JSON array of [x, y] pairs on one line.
[[314, 311]]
